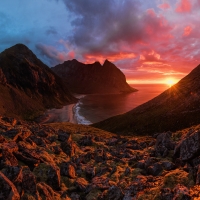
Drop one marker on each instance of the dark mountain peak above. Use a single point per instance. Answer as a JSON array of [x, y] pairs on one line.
[[74, 60], [18, 49], [22, 71], [107, 62], [93, 78]]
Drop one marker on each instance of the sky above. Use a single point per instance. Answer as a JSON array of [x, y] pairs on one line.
[[150, 41]]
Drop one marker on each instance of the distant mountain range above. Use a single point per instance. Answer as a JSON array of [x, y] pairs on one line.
[[176, 108], [93, 78], [27, 85]]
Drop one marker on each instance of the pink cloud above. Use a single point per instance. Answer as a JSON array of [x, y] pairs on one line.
[[187, 31], [164, 6], [184, 6]]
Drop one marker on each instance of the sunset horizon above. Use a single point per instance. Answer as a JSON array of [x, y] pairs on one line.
[[149, 41]]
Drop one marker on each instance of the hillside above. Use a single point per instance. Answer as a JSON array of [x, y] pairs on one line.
[[176, 108], [67, 161], [93, 78], [27, 85]]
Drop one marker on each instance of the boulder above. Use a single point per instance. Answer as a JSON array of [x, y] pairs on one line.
[[164, 144], [67, 169], [189, 147], [7, 189], [49, 174], [114, 193]]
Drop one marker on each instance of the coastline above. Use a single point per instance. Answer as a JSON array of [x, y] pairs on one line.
[[69, 113]]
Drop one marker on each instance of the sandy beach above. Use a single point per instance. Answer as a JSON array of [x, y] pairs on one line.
[[65, 114]]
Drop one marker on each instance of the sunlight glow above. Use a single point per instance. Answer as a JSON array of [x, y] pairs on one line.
[[170, 81]]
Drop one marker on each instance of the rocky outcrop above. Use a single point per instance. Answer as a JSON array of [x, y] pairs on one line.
[[93, 78], [80, 162], [28, 86]]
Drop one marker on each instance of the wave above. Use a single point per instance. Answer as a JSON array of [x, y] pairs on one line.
[[78, 117]]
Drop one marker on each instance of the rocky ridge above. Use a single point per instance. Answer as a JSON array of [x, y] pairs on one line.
[[27, 85], [92, 78], [67, 161]]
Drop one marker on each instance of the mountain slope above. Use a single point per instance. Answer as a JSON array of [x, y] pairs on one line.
[[93, 78], [176, 108], [29, 85]]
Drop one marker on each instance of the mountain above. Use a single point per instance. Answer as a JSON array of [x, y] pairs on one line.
[[176, 108], [27, 85], [93, 78]]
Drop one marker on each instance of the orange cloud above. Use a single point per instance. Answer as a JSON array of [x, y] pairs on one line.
[[184, 6], [187, 30], [111, 57]]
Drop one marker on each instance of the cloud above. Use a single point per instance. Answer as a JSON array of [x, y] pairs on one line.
[[51, 30], [187, 31], [164, 6], [184, 6], [54, 56]]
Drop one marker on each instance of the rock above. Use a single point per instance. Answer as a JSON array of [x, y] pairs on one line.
[[68, 148], [100, 182], [167, 165], [81, 184], [7, 189], [90, 171], [49, 174], [15, 175], [63, 136], [57, 150], [164, 144], [29, 182], [75, 196], [86, 140], [114, 193], [12, 133], [139, 184], [155, 169], [66, 169], [37, 140], [189, 147], [127, 171], [166, 194], [31, 162], [2, 139], [181, 192], [45, 191], [8, 158]]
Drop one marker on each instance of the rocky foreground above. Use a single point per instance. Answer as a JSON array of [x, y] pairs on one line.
[[66, 161]]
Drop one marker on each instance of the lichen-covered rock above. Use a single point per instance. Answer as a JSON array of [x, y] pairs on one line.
[[67, 169], [49, 174], [7, 189], [68, 148], [189, 147], [164, 144], [114, 193], [46, 192]]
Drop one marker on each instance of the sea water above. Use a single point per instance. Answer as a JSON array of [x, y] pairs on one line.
[[94, 108]]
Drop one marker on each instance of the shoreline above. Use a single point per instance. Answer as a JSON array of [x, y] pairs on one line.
[[68, 113]]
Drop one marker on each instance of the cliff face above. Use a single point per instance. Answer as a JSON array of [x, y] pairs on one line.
[[176, 108], [93, 78], [28, 84]]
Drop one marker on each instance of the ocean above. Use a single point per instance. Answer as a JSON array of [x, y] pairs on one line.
[[94, 108]]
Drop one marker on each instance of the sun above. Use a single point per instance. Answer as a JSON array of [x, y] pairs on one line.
[[170, 81]]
